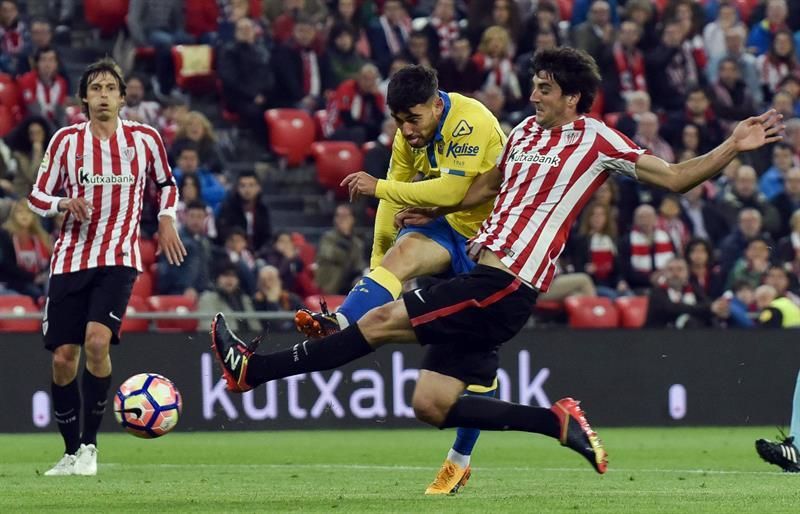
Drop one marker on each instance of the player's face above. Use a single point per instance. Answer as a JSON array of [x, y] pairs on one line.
[[104, 97], [553, 107], [419, 124]]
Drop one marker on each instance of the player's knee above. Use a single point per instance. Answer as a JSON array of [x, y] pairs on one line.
[[65, 363], [96, 344], [428, 410]]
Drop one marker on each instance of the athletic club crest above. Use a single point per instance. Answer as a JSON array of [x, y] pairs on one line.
[[572, 137], [128, 154]]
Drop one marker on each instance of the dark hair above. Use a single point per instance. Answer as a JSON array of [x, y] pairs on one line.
[[43, 50], [18, 139], [729, 59], [196, 204], [783, 145], [247, 174], [343, 28], [699, 241], [740, 284], [413, 85], [235, 230], [191, 146], [97, 68], [696, 89], [197, 184], [574, 71]]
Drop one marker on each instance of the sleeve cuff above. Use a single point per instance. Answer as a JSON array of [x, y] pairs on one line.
[[380, 189], [168, 212]]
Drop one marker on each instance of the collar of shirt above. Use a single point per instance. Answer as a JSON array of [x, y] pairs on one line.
[[437, 136]]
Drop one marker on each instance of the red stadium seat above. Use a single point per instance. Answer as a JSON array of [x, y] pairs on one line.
[[135, 304], [174, 303], [320, 120], [194, 68], [335, 160], [7, 122], [144, 285], [106, 15], [632, 310], [291, 132], [148, 248], [19, 305], [591, 312], [333, 301], [9, 92]]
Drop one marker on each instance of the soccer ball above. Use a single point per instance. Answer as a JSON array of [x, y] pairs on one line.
[[148, 405]]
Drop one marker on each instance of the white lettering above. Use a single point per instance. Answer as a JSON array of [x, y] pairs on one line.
[[293, 397], [270, 408], [399, 378], [326, 396], [373, 394], [531, 389], [217, 393], [503, 386], [535, 158]]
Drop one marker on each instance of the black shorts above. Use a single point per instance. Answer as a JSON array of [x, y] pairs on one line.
[[466, 319], [74, 299]]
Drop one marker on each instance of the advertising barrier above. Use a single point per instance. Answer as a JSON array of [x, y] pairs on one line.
[[624, 378]]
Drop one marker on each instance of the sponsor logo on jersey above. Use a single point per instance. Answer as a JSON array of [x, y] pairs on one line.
[[461, 150], [86, 179], [462, 129], [534, 158], [45, 161]]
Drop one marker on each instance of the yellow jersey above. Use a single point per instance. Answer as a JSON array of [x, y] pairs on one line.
[[467, 142]]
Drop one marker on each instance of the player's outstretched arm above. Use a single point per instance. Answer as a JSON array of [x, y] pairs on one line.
[[447, 190], [749, 134]]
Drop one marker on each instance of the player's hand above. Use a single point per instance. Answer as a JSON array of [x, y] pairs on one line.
[[414, 216], [78, 207], [360, 183], [757, 131], [169, 243]]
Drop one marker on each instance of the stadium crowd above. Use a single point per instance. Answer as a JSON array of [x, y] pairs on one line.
[[677, 75]]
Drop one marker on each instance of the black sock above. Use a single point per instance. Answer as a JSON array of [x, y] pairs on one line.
[[312, 355], [491, 414], [95, 397], [67, 411]]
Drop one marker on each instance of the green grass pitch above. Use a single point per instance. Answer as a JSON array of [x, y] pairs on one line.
[[681, 470]]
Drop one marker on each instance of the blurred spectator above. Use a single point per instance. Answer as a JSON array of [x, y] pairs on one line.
[[669, 220], [202, 19], [340, 254], [191, 191], [734, 48], [505, 13], [458, 73], [272, 297], [704, 274], [176, 109], [419, 50], [25, 249], [344, 60], [752, 266], [689, 146], [545, 39], [58, 13], [8, 171], [643, 13], [399, 62], [790, 85], [356, 109], [741, 304], [235, 251], [697, 110], [494, 60], [788, 201], [595, 35], [784, 284], [672, 69], [302, 75], [194, 275], [43, 90], [227, 296], [197, 130], [771, 183], [283, 255], [732, 101], [622, 67], [714, 32], [41, 37], [674, 303], [314, 11], [244, 207], [28, 142], [582, 10], [763, 31], [378, 156], [647, 249], [608, 195], [493, 98], [779, 62], [160, 24], [388, 34], [246, 58], [636, 104], [788, 249], [543, 19], [744, 193], [349, 13], [188, 163], [749, 226], [647, 137], [136, 108], [792, 136], [593, 250], [702, 217], [442, 28], [14, 39], [231, 12], [783, 103], [775, 311]]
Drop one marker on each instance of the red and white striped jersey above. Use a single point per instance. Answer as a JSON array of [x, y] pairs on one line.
[[111, 176], [548, 177]]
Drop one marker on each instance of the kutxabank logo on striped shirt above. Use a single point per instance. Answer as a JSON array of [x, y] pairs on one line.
[[86, 179]]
